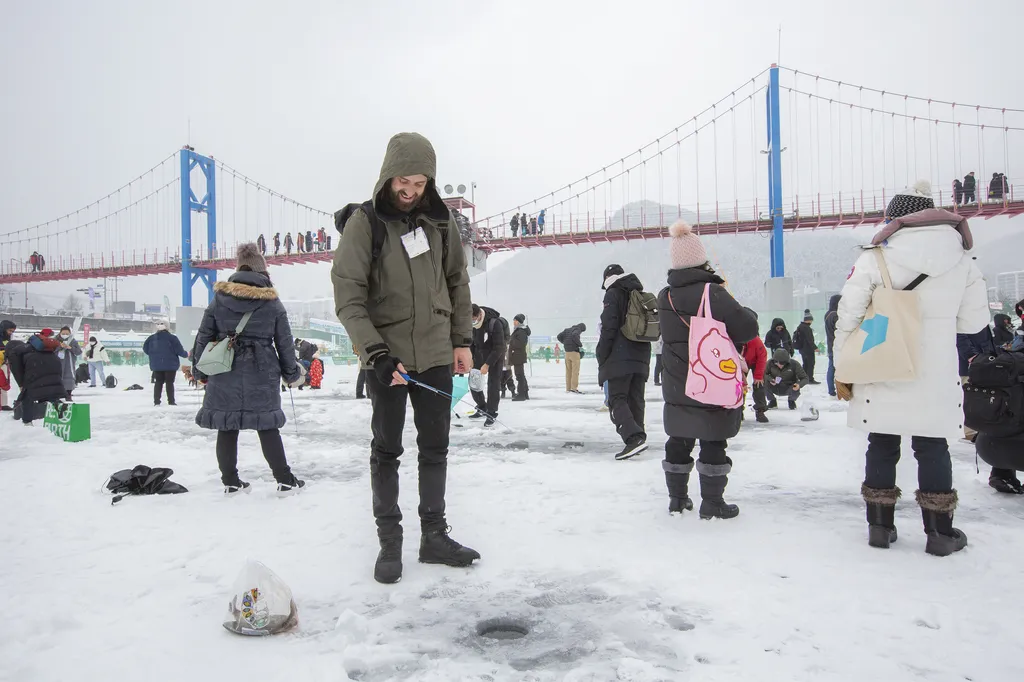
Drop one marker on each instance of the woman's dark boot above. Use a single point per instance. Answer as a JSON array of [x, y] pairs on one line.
[[677, 479], [881, 513], [713, 479], [937, 513]]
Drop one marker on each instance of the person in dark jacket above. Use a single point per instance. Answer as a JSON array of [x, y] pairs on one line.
[[247, 398], [687, 420], [624, 364], [309, 241], [1002, 331], [778, 337], [518, 356], [489, 349], [970, 186], [164, 349], [38, 371], [261, 242], [995, 187], [756, 357], [831, 317], [804, 343], [514, 224], [958, 192], [277, 243], [288, 243], [785, 377], [7, 329], [572, 342]]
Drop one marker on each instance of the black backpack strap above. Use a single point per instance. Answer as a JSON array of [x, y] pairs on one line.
[[378, 231], [917, 280]]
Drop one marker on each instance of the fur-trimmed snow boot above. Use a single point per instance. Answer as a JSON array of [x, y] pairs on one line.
[[881, 514], [677, 479], [713, 479], [937, 513]]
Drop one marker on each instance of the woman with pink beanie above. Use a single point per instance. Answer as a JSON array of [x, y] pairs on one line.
[[686, 420]]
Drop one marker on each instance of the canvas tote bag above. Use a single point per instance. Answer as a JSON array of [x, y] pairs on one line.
[[885, 347]]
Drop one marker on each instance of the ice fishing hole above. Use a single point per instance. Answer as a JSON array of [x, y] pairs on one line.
[[502, 629]]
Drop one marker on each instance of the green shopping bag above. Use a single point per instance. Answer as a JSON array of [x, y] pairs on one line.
[[69, 421]]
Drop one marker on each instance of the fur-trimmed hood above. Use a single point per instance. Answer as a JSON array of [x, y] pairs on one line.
[[245, 291]]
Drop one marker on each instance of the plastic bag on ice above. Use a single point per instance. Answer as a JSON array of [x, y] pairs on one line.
[[261, 603], [477, 381]]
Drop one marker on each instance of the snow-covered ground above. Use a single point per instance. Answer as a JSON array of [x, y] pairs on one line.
[[577, 546]]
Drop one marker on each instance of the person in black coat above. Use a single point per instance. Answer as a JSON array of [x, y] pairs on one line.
[[803, 342], [624, 364], [489, 348], [518, 356], [38, 371], [572, 343], [778, 337], [970, 185], [247, 397], [687, 420], [514, 225], [831, 318], [1002, 331]]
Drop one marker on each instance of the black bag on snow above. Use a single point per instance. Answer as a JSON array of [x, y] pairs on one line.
[[111, 381], [82, 373], [994, 394], [143, 480], [38, 410]]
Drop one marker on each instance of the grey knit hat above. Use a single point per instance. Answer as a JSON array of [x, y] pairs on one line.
[[249, 255]]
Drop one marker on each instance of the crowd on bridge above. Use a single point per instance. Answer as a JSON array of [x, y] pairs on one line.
[[966, 192], [401, 289], [523, 225]]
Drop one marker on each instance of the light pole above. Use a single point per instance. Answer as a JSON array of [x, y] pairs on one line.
[[472, 191]]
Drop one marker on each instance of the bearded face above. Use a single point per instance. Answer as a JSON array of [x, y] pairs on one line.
[[407, 192]]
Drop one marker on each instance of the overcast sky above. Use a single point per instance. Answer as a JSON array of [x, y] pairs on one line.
[[520, 97]]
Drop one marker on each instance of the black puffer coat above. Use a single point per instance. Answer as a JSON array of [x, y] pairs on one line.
[[685, 417], [775, 340], [617, 356], [489, 345], [1002, 330], [570, 338], [517, 345], [249, 396], [36, 367]]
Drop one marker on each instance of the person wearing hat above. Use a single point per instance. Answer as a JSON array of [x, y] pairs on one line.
[[163, 350], [785, 377], [96, 356], [68, 351], [803, 343], [518, 355], [247, 398], [917, 239], [687, 420], [623, 363]]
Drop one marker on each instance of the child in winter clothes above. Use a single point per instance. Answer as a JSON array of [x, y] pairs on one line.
[[756, 357]]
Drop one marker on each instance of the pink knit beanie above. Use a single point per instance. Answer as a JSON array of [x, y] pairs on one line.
[[685, 249]]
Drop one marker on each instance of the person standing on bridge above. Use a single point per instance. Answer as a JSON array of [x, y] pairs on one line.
[[541, 218], [534, 226], [406, 304], [261, 243], [970, 185], [288, 243], [514, 224], [300, 242], [277, 243], [958, 192], [309, 241]]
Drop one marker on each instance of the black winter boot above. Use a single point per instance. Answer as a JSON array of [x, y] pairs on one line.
[[521, 396], [437, 547], [713, 479], [881, 514], [937, 513], [762, 418], [677, 479], [388, 569]]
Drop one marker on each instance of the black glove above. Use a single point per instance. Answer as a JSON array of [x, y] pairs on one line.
[[385, 366]]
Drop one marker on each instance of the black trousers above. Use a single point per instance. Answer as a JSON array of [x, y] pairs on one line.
[[760, 398], [659, 367], [783, 390], [680, 451], [361, 383], [968, 196], [489, 403], [432, 416], [934, 468], [161, 379], [808, 363], [520, 372], [273, 451], [507, 384], [627, 405]]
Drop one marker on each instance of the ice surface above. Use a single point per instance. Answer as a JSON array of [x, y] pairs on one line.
[[576, 546]]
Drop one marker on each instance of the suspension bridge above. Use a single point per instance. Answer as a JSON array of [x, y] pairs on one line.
[[839, 150]]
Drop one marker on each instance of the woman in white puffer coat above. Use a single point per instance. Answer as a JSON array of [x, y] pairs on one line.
[[916, 239]]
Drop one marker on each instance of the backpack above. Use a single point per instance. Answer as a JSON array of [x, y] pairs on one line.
[[994, 394], [641, 323], [111, 381], [505, 329], [378, 230]]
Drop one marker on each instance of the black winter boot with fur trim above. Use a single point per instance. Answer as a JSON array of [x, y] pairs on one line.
[[677, 480], [713, 479], [881, 514], [937, 513]]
